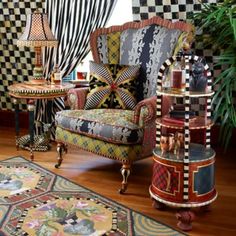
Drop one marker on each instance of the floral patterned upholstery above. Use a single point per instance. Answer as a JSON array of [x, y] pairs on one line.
[[111, 125], [124, 135]]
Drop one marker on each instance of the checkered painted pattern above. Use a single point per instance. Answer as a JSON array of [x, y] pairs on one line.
[[208, 112], [15, 63], [167, 9], [186, 130]]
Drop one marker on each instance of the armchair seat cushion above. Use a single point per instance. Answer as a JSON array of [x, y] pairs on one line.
[[111, 125]]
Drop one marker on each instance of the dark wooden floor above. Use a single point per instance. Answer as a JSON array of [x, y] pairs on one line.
[[102, 176]]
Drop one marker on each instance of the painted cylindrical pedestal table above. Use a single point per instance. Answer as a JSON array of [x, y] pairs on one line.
[[168, 184]]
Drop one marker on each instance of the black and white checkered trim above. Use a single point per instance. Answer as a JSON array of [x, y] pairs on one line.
[[186, 130]]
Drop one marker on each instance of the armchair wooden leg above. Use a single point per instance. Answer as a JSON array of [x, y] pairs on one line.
[[125, 171], [61, 149]]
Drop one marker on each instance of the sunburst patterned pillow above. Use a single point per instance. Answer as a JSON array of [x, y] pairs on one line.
[[112, 86]]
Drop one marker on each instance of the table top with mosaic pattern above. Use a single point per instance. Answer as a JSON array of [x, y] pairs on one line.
[[42, 91]]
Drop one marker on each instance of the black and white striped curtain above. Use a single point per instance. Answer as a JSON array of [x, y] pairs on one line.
[[72, 22]]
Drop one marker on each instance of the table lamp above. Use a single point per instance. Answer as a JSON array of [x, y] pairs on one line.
[[37, 34]]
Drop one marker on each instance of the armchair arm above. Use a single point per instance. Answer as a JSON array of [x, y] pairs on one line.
[[150, 104], [76, 98]]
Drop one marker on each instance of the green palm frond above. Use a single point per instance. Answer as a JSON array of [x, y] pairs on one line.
[[218, 23]]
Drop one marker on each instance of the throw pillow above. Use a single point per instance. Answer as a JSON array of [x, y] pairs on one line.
[[112, 86]]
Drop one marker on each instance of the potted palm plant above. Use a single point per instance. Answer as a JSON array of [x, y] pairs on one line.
[[219, 23]]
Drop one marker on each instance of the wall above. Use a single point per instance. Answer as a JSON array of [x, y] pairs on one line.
[[15, 63], [173, 10], [167, 9]]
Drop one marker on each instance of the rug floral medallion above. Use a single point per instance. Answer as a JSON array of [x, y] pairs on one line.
[[34, 201]]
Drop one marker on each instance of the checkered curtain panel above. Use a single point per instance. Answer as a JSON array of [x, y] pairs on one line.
[[15, 63], [72, 23], [177, 10]]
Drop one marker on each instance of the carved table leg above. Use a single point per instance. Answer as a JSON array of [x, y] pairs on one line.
[[185, 218], [31, 153], [125, 171], [31, 106], [61, 149], [17, 127]]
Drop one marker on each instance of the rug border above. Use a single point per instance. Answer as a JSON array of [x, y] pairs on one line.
[[93, 192]]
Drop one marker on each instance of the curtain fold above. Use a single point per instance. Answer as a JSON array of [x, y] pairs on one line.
[[71, 22]]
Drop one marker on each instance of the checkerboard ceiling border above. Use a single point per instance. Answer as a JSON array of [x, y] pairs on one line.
[[167, 9], [15, 63]]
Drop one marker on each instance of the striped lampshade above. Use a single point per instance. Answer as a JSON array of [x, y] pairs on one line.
[[37, 32]]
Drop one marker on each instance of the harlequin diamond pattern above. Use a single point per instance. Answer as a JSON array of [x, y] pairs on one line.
[[121, 152]]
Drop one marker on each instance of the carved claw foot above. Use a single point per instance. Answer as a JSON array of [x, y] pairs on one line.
[[125, 171], [61, 149], [158, 205], [185, 219]]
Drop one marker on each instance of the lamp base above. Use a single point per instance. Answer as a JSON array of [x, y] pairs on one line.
[[37, 77], [38, 81]]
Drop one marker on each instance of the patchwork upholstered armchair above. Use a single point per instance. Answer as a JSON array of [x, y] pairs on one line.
[[115, 116]]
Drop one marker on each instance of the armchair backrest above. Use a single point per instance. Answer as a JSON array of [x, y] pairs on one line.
[[147, 43]]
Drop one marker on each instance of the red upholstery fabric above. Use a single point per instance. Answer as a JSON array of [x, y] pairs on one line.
[[77, 97]]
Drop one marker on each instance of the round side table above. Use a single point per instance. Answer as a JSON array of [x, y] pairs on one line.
[[32, 92]]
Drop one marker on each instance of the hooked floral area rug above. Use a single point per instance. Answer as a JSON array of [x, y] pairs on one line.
[[35, 201]]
